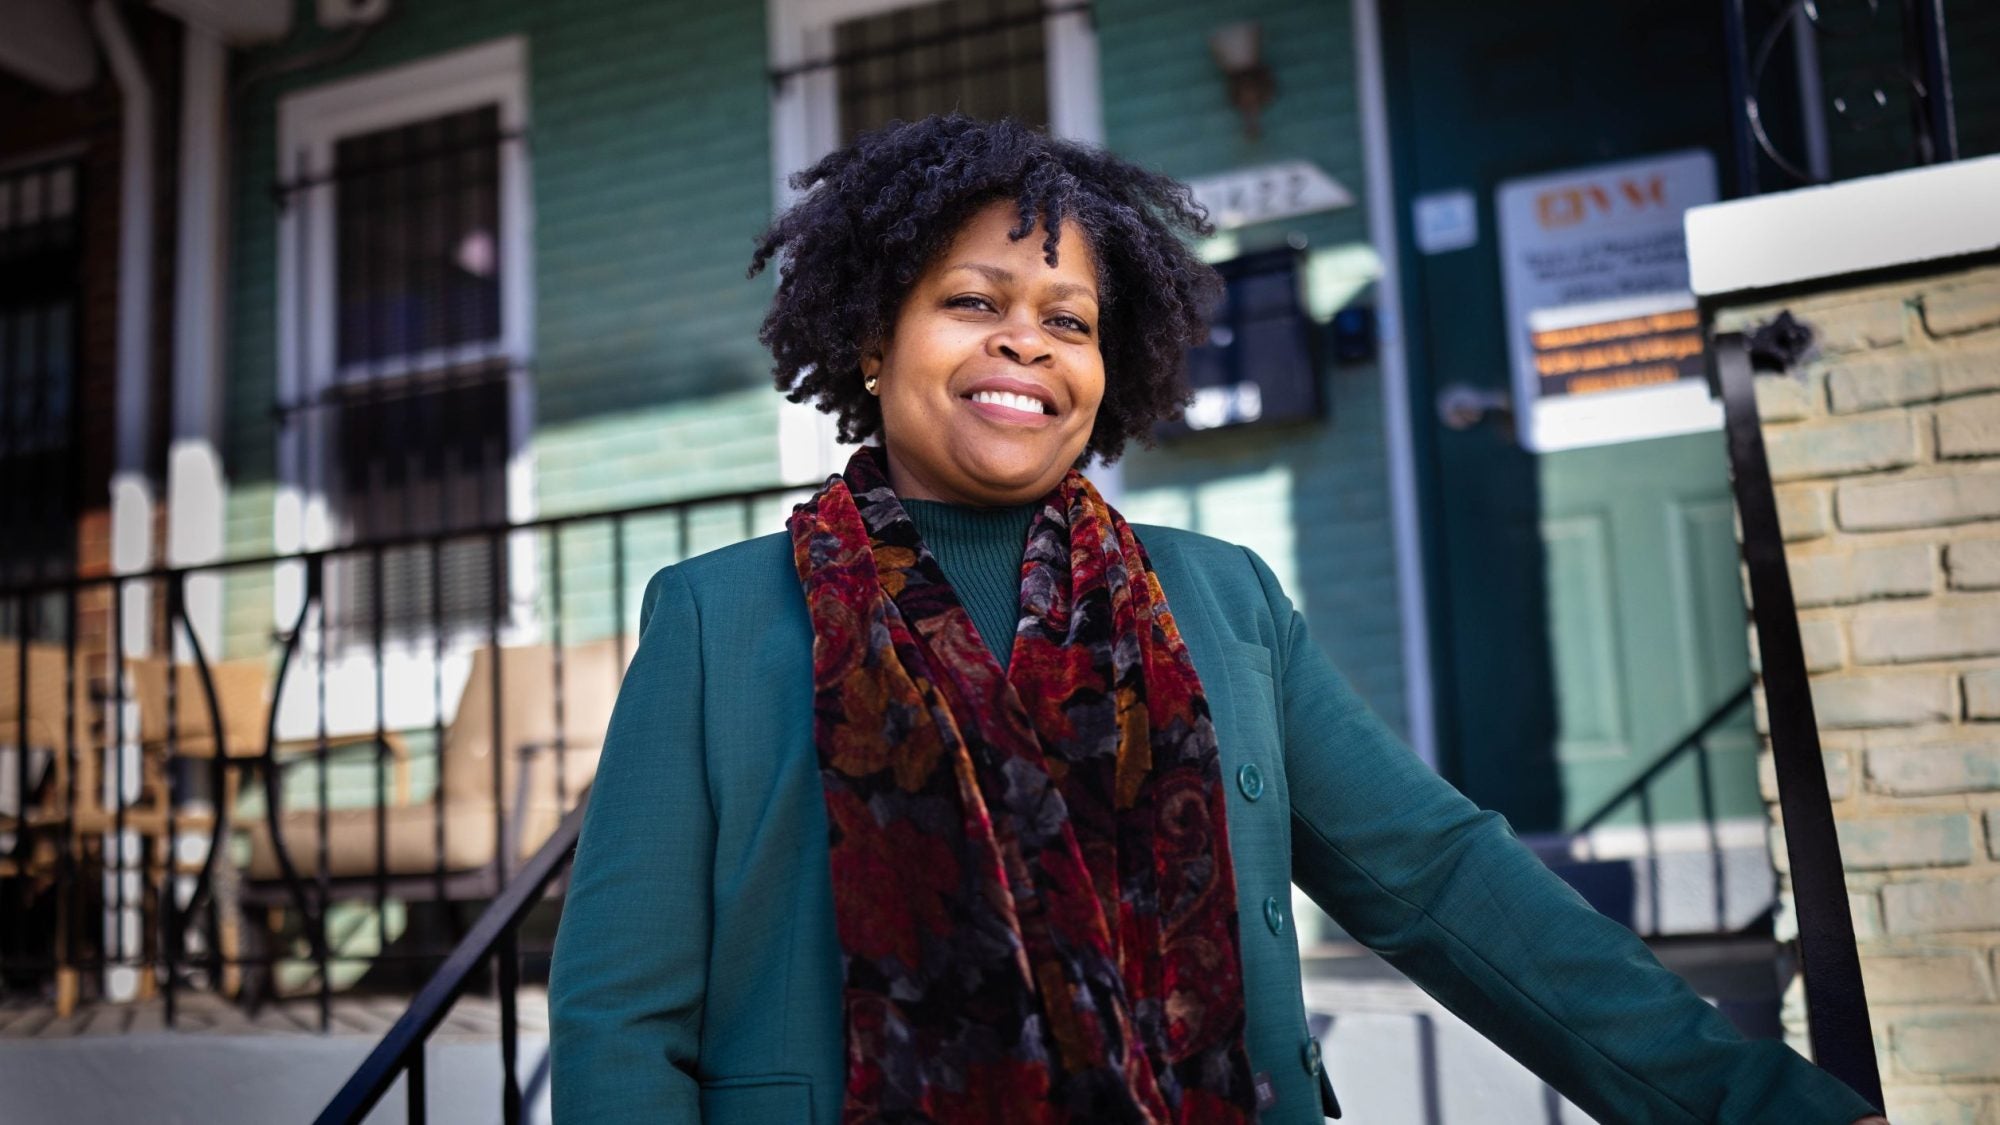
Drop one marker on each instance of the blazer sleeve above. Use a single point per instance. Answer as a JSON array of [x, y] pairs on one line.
[[1445, 892], [631, 955]]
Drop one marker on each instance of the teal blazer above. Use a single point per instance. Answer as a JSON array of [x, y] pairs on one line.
[[697, 974]]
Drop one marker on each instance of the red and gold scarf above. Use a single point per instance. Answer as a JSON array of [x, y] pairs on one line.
[[1031, 876]]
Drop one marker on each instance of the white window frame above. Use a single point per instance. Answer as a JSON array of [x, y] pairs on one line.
[[310, 122], [805, 125]]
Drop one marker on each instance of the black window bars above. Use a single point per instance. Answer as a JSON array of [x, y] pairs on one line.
[[41, 249], [402, 413]]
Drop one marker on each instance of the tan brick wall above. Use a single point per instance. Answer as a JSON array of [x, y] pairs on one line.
[[1885, 446]]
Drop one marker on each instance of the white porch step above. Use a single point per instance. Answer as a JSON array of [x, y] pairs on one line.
[[1397, 1057]]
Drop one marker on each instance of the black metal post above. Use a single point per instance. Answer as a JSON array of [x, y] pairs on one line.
[[71, 905], [556, 669], [618, 587], [1704, 777], [506, 955], [173, 940], [1929, 60], [1836, 1003], [377, 592], [117, 850], [1736, 61], [415, 1080], [22, 656], [322, 806], [436, 555]]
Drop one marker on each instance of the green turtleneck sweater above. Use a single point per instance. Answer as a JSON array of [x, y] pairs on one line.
[[979, 550]]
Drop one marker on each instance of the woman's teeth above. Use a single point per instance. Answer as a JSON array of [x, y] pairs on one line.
[[1010, 401]]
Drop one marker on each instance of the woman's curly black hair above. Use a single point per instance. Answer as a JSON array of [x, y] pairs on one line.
[[881, 209]]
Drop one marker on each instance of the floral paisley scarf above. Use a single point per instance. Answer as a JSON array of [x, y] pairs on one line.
[[1031, 876]]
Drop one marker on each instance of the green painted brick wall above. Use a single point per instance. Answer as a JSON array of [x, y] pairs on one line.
[[1312, 499], [650, 172]]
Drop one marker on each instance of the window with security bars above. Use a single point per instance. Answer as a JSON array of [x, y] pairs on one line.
[[425, 457], [417, 214], [418, 409], [984, 58], [40, 263]]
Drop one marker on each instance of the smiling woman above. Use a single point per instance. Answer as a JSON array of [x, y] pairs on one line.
[[964, 800], [947, 210], [991, 379]]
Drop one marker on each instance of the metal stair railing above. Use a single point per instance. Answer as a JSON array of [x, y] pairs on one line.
[[1639, 789], [1693, 742], [495, 935], [1837, 1018], [150, 723]]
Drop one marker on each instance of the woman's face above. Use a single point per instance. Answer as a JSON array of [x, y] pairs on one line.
[[991, 379]]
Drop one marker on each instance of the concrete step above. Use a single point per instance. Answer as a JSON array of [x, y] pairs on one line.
[[188, 1078], [1397, 1057], [222, 1065]]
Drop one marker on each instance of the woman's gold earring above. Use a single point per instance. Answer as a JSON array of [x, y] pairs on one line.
[[870, 382]]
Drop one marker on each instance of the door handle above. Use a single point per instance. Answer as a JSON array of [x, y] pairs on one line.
[[1462, 406]]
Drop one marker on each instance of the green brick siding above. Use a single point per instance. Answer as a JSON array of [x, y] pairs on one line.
[[1311, 498], [650, 172]]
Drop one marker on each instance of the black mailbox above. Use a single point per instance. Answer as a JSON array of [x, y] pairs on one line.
[[1258, 366]]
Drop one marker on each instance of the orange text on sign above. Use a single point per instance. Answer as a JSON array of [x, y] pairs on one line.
[[1568, 206], [1622, 354]]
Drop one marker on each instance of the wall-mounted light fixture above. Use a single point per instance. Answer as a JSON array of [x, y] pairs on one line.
[[1239, 53]]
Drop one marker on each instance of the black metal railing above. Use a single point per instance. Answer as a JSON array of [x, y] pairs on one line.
[[1872, 82], [1837, 1016], [146, 775], [1638, 795], [494, 936]]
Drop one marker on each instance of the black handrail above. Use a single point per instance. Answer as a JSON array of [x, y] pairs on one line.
[[1836, 1002], [402, 1048], [1694, 741]]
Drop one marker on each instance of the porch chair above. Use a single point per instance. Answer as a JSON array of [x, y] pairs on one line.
[[244, 697], [530, 797], [44, 810], [46, 747]]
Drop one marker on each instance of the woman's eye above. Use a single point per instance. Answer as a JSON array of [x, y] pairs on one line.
[[1073, 324], [969, 302]]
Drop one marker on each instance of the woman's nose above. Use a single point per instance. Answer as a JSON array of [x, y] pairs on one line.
[[1022, 344]]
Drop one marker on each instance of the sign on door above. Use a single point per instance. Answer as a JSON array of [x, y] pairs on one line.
[[1604, 340]]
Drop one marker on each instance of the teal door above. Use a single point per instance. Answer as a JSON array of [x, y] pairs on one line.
[[1585, 606], [1646, 626]]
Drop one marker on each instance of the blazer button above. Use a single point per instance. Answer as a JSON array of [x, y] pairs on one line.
[[1274, 914], [1310, 1056], [1250, 780]]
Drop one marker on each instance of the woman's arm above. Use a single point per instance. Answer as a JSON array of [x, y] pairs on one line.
[[631, 956], [1444, 892]]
